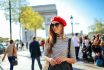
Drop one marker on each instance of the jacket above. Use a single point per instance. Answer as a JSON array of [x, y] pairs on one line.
[[34, 49]]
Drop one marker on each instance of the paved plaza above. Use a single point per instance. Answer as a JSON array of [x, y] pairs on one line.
[[24, 63]]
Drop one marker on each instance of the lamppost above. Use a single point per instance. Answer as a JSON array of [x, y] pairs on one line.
[[10, 19], [72, 23]]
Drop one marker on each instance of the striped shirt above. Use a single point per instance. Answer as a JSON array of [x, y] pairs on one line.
[[60, 49]]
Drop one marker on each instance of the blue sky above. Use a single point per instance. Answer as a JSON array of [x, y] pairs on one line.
[[88, 8], [84, 12]]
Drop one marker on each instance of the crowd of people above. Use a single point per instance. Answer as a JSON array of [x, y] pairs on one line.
[[93, 49]]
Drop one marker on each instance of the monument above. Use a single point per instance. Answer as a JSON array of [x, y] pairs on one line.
[[47, 12]]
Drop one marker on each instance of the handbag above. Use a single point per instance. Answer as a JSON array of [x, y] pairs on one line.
[[14, 59], [62, 66]]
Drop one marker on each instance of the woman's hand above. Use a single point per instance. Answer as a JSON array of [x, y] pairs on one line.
[[59, 60], [52, 61]]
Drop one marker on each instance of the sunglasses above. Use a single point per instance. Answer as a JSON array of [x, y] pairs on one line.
[[56, 25]]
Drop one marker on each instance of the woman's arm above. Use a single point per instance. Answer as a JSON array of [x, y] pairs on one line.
[[65, 59], [70, 60], [4, 55]]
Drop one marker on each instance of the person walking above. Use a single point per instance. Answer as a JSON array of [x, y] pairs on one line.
[[42, 44], [11, 52], [76, 44], [57, 49], [22, 45], [35, 52]]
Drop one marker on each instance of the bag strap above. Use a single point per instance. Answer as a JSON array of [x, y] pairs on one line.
[[13, 51], [69, 43]]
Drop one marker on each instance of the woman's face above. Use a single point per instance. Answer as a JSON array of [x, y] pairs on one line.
[[57, 27]]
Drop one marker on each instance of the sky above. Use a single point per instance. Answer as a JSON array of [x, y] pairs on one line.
[[84, 13]]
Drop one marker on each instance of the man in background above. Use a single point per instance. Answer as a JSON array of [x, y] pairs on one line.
[[76, 42], [35, 52]]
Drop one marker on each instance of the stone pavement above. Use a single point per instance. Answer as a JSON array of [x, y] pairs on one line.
[[24, 63]]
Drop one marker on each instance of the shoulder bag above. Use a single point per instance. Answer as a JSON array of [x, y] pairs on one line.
[[14, 59]]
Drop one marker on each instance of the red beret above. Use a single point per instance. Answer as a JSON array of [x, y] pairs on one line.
[[59, 19]]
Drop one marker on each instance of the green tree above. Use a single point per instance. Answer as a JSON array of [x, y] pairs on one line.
[[15, 8], [1, 40], [4, 39], [11, 8], [31, 20], [97, 27]]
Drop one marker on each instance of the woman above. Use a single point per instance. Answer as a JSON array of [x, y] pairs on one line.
[[86, 48], [96, 44], [11, 52], [56, 49], [102, 43]]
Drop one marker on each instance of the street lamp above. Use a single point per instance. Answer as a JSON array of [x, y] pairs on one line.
[[72, 23], [10, 19]]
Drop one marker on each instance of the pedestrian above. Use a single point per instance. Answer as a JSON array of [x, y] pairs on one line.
[[76, 44], [57, 48], [35, 52], [86, 50], [96, 44], [42, 44], [17, 46], [11, 53], [80, 41], [102, 44], [22, 45]]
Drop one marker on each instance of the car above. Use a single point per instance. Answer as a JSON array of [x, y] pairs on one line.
[[2, 48]]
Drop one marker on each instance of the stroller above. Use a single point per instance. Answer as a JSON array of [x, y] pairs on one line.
[[87, 54]]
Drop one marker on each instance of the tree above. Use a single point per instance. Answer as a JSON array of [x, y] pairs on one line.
[[4, 39], [31, 20], [98, 27], [15, 8], [11, 8]]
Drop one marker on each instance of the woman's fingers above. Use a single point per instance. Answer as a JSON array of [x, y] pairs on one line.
[[53, 62], [59, 60]]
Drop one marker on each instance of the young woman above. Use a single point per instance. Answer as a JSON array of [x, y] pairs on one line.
[[11, 52], [96, 44], [56, 48]]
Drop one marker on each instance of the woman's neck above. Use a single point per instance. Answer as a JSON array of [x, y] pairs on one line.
[[59, 35]]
